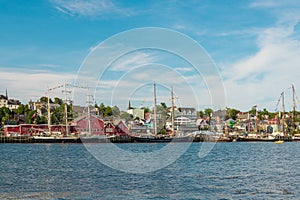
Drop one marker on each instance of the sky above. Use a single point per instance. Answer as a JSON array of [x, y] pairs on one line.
[[251, 47]]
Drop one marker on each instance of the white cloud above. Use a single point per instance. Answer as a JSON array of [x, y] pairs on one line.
[[260, 78], [266, 3], [274, 4], [131, 61], [30, 84], [89, 8]]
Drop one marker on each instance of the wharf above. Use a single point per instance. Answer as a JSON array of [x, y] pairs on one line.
[[131, 139]]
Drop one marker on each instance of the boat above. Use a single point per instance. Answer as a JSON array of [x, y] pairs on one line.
[[53, 139], [147, 132], [278, 142]]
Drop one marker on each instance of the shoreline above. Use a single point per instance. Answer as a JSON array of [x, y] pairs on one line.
[[126, 139]]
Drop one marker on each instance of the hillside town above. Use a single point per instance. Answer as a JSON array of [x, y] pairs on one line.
[[48, 117]]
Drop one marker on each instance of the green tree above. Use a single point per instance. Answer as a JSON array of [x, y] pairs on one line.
[[115, 111], [263, 114], [58, 101], [146, 109], [200, 113], [31, 117], [41, 120], [272, 115], [164, 105], [20, 110], [252, 111], [58, 114], [232, 113], [6, 115], [107, 111], [101, 109], [126, 116], [208, 111], [45, 99]]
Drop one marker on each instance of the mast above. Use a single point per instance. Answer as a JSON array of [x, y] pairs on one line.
[[172, 109], [256, 120], [48, 110], [89, 114], [155, 128], [249, 129], [294, 106], [282, 96], [66, 110]]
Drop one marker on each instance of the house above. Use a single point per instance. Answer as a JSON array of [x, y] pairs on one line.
[[219, 116], [41, 107], [136, 113], [242, 117], [82, 125], [78, 111], [35, 129], [273, 125], [218, 120], [189, 113], [109, 128], [121, 129], [11, 104]]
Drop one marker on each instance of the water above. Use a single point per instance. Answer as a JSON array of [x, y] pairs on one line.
[[229, 171]]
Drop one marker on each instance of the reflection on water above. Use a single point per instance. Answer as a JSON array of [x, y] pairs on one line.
[[229, 171]]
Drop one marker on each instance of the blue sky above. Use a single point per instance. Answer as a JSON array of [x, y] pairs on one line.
[[254, 44]]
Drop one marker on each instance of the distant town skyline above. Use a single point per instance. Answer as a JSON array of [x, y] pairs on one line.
[[254, 44]]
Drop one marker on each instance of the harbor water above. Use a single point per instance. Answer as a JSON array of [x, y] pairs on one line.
[[229, 171]]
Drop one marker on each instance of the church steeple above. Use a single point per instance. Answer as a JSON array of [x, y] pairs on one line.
[[6, 94], [129, 105]]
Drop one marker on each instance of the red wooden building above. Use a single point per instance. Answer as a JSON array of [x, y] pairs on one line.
[[82, 125], [109, 128], [35, 129], [121, 129]]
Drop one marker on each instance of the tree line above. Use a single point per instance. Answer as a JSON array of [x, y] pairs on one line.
[[8, 116]]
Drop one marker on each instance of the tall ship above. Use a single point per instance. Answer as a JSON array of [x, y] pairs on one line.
[[146, 130]]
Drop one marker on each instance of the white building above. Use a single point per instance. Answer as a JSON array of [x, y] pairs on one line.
[[11, 104]]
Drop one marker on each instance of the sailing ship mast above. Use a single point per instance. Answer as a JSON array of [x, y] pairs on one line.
[[49, 114], [155, 125], [65, 91], [294, 107], [172, 109], [282, 117], [88, 102]]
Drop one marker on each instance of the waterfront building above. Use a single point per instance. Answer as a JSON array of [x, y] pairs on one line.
[[121, 129], [35, 129], [189, 113], [109, 128], [217, 120], [82, 125]]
